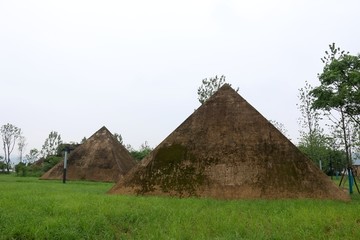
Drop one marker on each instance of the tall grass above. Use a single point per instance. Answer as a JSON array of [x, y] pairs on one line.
[[34, 209]]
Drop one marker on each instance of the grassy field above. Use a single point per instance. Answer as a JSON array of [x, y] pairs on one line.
[[34, 209]]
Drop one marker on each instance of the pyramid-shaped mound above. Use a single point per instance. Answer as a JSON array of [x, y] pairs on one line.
[[226, 149], [99, 158]]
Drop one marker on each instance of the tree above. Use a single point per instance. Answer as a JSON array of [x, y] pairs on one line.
[[83, 140], [21, 147], [340, 83], [338, 94], [119, 138], [51, 144], [50, 162], [62, 147], [310, 117], [10, 134], [144, 150], [129, 148], [280, 127], [313, 142], [32, 156], [209, 87], [21, 169], [355, 138], [317, 148], [2, 164]]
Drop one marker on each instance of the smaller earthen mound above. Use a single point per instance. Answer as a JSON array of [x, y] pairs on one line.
[[100, 158]]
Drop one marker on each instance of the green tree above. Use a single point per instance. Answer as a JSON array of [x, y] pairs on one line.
[[317, 149], [332, 160], [32, 156], [50, 162], [119, 138], [355, 138], [310, 117], [340, 83], [21, 147], [51, 144], [313, 142], [10, 134], [62, 147], [339, 92], [209, 87], [21, 169], [144, 150], [2, 164]]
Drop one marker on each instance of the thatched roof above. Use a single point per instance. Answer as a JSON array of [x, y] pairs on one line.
[[100, 158], [226, 149]]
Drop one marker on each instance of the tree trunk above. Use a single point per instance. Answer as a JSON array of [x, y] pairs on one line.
[[343, 126]]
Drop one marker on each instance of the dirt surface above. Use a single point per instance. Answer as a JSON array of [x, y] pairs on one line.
[[100, 158], [226, 149]]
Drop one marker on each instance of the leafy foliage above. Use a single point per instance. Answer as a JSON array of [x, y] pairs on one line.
[[2, 164], [313, 142], [21, 147], [66, 147], [51, 144], [332, 159], [209, 87], [141, 153], [9, 134], [32, 156], [310, 117], [280, 126], [355, 138], [339, 91], [38, 168], [339, 83], [21, 169], [118, 137], [50, 162]]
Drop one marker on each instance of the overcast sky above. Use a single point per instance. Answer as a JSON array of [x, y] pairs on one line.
[[134, 66]]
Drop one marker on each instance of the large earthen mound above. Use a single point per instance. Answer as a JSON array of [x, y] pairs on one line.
[[228, 150], [100, 158]]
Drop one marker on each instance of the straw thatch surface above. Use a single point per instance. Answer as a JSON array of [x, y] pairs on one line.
[[228, 150], [100, 158]]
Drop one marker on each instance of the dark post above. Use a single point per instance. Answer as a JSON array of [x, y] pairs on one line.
[[65, 163]]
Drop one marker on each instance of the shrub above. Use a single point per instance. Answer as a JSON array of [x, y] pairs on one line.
[[50, 162], [21, 169], [38, 168]]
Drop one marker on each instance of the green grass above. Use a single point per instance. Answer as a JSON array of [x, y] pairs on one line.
[[34, 209]]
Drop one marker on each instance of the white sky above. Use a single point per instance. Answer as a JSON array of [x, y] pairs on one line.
[[134, 66]]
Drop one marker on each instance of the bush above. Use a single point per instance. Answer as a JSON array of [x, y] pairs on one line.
[[34, 170], [139, 155], [21, 169], [38, 168], [50, 162], [2, 166]]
